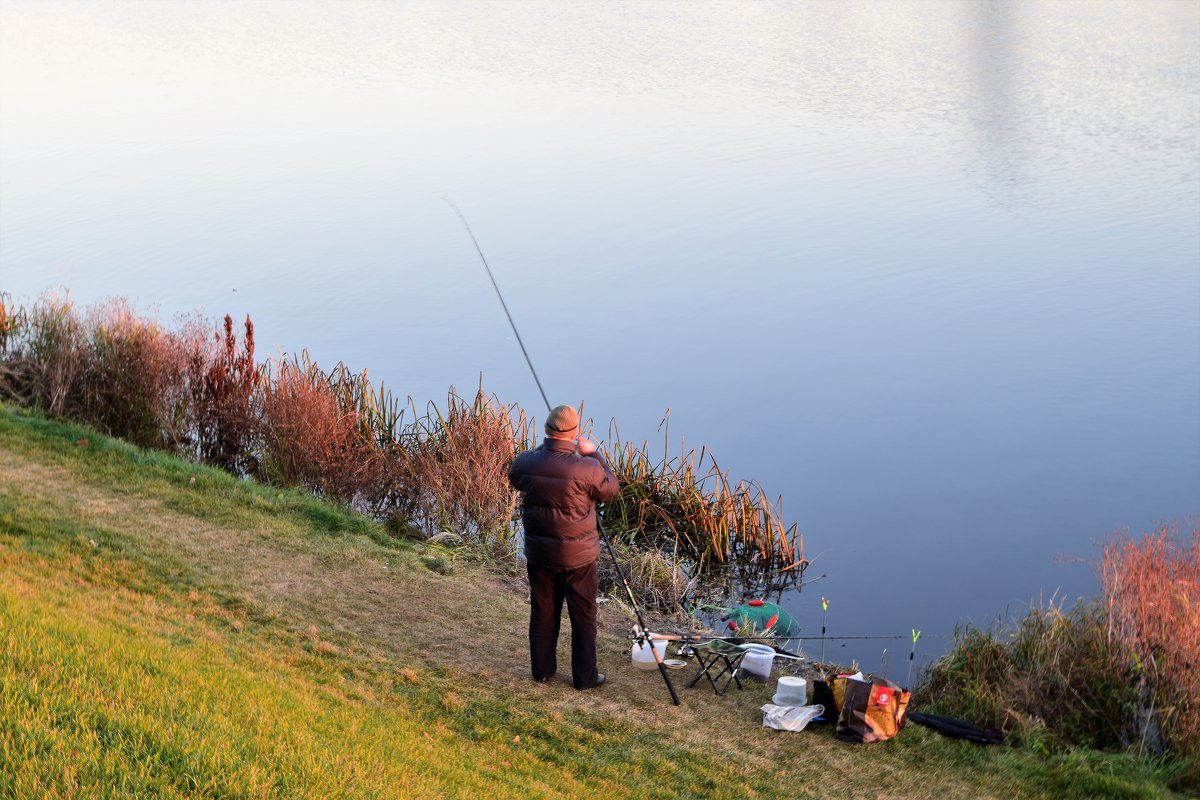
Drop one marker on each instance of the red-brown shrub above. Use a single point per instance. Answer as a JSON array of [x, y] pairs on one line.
[[311, 440], [134, 379], [7, 320], [1151, 592], [224, 379]]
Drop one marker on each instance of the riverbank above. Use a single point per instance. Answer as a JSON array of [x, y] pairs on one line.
[[171, 629]]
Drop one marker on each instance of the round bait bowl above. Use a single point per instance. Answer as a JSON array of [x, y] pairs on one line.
[[643, 656], [757, 662]]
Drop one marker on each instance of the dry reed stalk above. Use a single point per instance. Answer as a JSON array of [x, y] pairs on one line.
[[16, 369], [7, 320]]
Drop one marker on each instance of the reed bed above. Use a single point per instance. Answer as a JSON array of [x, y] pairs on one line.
[[678, 505], [440, 471]]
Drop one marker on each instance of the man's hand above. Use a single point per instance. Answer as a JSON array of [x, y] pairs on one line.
[[586, 446]]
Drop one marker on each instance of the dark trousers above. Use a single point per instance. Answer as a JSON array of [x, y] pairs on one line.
[[548, 587]]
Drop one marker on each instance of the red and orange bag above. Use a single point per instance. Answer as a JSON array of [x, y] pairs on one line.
[[871, 710]]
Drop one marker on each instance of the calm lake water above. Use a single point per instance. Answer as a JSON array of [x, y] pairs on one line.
[[930, 271]]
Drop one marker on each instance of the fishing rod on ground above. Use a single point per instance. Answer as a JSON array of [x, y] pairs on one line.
[[641, 624]]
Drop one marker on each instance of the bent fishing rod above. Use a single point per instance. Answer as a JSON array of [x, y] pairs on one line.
[[643, 637]]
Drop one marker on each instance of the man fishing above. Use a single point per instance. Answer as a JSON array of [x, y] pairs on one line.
[[561, 481]]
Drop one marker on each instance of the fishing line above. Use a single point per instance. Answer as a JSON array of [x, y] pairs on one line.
[[599, 529], [482, 258]]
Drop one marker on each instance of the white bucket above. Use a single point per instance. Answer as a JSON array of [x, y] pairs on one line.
[[791, 692], [757, 661], [643, 656]]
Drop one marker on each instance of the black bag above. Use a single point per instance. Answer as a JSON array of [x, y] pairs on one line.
[[823, 696]]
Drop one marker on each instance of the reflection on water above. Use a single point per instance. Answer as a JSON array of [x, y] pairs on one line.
[[995, 44], [927, 270]]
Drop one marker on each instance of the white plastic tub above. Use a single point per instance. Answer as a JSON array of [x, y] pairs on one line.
[[643, 656], [791, 692], [757, 662]]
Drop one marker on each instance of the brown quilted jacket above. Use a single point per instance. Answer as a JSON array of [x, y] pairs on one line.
[[559, 491]]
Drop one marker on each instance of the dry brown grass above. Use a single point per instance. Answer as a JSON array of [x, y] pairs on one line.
[[657, 580]]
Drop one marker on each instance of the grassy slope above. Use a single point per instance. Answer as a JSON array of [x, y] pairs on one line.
[[168, 630]]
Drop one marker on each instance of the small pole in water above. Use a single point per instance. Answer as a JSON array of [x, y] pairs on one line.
[[824, 614], [883, 658], [916, 634]]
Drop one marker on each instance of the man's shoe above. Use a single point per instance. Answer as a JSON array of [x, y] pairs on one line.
[[542, 680], [599, 682]]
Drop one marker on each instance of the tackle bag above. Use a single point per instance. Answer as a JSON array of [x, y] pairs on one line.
[[868, 710]]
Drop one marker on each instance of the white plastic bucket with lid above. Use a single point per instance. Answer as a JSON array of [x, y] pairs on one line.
[[757, 661], [643, 656]]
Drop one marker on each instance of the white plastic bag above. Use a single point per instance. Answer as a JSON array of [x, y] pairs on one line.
[[790, 718]]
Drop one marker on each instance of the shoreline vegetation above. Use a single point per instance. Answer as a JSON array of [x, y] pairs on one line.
[[197, 390], [1118, 673]]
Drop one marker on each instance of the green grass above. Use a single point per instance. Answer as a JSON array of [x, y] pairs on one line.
[[138, 659]]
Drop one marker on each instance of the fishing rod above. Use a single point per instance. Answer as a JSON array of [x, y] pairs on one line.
[[662, 668], [736, 639]]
